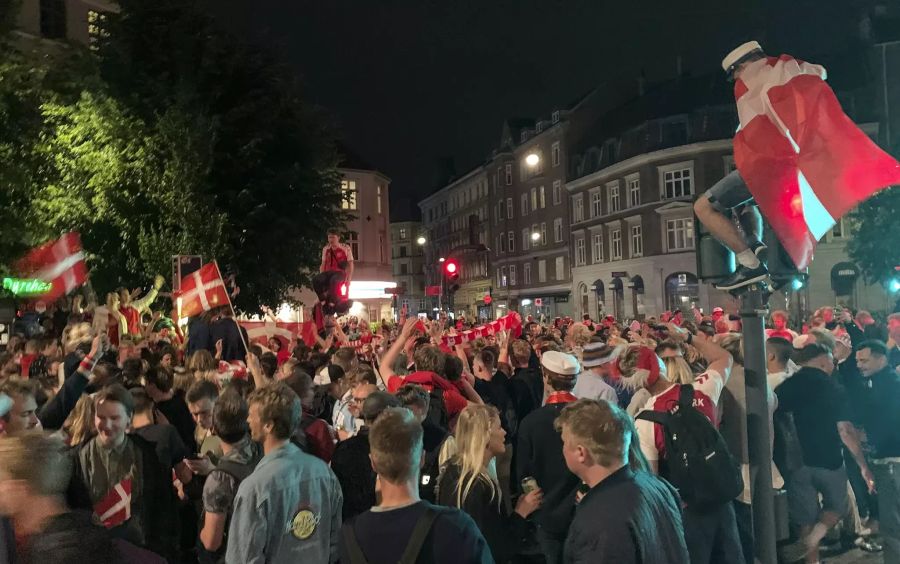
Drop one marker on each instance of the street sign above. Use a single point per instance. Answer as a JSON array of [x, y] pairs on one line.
[[619, 274]]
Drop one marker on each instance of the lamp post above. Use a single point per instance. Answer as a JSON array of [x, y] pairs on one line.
[[532, 160]]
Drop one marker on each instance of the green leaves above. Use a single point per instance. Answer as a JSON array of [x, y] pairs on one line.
[[875, 243]]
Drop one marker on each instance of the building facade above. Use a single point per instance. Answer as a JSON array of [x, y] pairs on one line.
[[456, 220], [408, 264], [74, 20]]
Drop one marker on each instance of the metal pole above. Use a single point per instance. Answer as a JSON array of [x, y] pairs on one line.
[[754, 309]]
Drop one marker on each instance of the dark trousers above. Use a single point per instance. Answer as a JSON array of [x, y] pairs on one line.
[[866, 503], [322, 281], [743, 514], [712, 535], [551, 545], [887, 482]]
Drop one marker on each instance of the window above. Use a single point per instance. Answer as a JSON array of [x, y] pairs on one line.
[[523, 136], [402, 251], [542, 197], [838, 231], [500, 208], [612, 197], [579, 252], [53, 19], [524, 205], [634, 192], [554, 154], [542, 271], [595, 204], [96, 28], [351, 239], [554, 117], [348, 194], [577, 208], [597, 248], [496, 214], [509, 174], [680, 234], [402, 233], [503, 278], [526, 239], [557, 230], [560, 268], [615, 244], [534, 199], [501, 243], [512, 275], [378, 198], [557, 192], [539, 126], [509, 208], [512, 242], [677, 182], [404, 268], [543, 233], [526, 273], [637, 241]]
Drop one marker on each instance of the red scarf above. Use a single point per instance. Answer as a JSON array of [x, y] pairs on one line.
[[560, 397]]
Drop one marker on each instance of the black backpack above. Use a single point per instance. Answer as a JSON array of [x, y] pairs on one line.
[[437, 411], [698, 462]]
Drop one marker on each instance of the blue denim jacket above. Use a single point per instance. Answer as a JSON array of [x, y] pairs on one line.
[[288, 510]]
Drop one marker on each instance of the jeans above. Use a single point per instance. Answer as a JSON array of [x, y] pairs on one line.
[[712, 535], [887, 481]]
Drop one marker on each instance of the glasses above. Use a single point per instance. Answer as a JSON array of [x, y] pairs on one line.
[[355, 399]]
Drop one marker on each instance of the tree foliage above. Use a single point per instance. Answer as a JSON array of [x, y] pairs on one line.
[[875, 244], [173, 139]]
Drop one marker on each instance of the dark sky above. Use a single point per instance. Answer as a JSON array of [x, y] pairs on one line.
[[411, 81]]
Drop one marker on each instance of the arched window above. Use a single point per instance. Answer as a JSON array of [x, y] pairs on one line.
[[583, 293], [637, 288], [682, 291], [600, 290], [618, 298]]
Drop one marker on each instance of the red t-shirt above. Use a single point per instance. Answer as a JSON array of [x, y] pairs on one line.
[[707, 390], [333, 257], [453, 399]]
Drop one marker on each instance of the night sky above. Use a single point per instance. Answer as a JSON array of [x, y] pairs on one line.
[[409, 82]]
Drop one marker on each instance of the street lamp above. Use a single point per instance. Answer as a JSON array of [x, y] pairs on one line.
[[421, 240], [532, 160], [442, 259], [535, 236]]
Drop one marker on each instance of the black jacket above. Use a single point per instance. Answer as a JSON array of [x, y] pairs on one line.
[[353, 469], [880, 413], [505, 533], [53, 413], [628, 518], [158, 500], [229, 332], [539, 455]]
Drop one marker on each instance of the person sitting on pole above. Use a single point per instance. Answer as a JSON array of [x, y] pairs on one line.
[[337, 264]]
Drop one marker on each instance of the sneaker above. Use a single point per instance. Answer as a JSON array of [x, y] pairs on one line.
[[867, 544], [744, 276]]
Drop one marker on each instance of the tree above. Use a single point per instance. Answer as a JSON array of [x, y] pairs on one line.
[[875, 244], [272, 158]]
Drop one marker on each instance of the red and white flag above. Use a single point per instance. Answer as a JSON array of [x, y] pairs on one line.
[[202, 291], [806, 163], [60, 262], [115, 507]]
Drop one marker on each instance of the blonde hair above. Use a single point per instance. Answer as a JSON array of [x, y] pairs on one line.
[[38, 460], [579, 334], [678, 370], [733, 343], [473, 432], [79, 425]]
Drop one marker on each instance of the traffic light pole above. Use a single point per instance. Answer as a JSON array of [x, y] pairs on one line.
[[754, 310]]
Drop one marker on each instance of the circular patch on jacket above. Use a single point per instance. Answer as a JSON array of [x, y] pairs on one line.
[[304, 524]]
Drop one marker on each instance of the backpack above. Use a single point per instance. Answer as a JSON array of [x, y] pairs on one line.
[[437, 411], [698, 462], [428, 477], [413, 548], [299, 436]]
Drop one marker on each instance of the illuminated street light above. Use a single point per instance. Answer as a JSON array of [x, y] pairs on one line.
[[535, 236], [421, 240], [442, 259], [532, 160]]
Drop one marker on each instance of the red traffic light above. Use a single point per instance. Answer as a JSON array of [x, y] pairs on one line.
[[450, 267]]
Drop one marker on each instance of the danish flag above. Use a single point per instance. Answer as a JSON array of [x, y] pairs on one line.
[[202, 291], [60, 262], [806, 163], [115, 507]]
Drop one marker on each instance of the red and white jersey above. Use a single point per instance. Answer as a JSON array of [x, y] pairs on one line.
[[707, 390], [333, 257]]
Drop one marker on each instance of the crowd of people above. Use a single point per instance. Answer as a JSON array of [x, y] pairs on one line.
[[562, 441]]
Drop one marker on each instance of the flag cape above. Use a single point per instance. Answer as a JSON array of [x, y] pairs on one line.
[[805, 162]]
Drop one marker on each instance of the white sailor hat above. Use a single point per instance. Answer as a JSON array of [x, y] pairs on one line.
[[560, 363], [739, 53]]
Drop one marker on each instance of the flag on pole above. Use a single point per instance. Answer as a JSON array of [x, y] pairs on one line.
[[59, 263], [805, 162], [202, 291], [115, 507]]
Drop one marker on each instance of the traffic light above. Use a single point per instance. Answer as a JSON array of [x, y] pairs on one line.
[[337, 299], [451, 274]]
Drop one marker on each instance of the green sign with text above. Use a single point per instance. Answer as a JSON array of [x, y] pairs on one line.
[[26, 286]]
